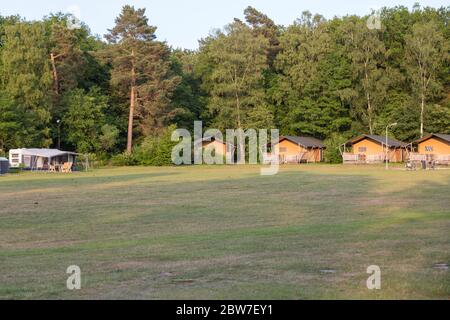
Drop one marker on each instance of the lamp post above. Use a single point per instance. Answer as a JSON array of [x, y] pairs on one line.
[[387, 146], [59, 133]]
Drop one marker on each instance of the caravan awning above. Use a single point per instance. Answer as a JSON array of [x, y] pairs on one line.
[[45, 153]]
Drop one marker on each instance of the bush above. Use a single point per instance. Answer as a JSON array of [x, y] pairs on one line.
[[156, 150], [332, 144], [15, 170], [123, 159], [153, 151], [108, 139]]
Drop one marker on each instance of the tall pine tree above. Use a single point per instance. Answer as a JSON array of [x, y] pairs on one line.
[[140, 70]]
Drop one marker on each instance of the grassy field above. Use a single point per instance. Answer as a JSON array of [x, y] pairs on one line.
[[223, 232]]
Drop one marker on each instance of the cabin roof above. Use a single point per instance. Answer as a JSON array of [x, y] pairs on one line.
[[211, 139], [380, 139], [442, 136], [307, 142]]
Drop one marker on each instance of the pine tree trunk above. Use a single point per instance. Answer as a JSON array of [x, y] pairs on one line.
[[370, 119], [132, 104], [241, 153], [421, 115], [238, 110], [55, 74], [130, 122], [369, 103]]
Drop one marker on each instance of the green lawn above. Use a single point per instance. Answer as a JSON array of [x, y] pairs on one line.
[[226, 233]]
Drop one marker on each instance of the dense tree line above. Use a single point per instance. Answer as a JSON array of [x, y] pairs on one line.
[[332, 79]]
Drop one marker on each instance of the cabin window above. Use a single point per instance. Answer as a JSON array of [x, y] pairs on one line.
[[283, 149], [362, 149], [428, 148], [15, 160], [14, 155]]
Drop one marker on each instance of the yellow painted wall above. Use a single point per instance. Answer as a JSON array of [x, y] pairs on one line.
[[287, 148], [373, 148], [220, 147], [291, 149], [439, 146]]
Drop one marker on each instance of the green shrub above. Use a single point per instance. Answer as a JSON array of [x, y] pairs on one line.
[[123, 159], [15, 170], [153, 151], [156, 150], [332, 144]]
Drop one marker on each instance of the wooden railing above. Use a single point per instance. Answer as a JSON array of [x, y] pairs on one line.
[[437, 158], [350, 158]]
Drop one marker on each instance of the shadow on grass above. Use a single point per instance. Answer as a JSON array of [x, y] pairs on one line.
[[60, 181]]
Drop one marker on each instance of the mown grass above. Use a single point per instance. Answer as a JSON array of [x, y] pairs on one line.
[[226, 233]]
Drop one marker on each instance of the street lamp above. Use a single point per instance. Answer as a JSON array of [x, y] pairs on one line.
[[387, 146], [59, 133]]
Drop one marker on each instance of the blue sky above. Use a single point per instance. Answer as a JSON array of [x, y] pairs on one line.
[[182, 23]]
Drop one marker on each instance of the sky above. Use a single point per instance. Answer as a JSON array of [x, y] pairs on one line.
[[182, 23]]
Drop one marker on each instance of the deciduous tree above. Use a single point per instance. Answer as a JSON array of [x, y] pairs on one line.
[[368, 55], [426, 50], [26, 80]]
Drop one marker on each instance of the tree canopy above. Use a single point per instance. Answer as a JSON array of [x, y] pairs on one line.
[[327, 78]]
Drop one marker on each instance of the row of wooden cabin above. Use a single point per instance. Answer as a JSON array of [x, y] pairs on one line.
[[363, 149], [373, 149]]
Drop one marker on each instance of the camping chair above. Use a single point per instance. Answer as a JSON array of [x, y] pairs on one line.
[[410, 165], [67, 167], [432, 165], [52, 168]]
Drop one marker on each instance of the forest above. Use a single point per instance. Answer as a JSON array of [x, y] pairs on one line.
[[119, 96]]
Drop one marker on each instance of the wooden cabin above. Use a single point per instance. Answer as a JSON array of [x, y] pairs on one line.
[[372, 149], [220, 147], [292, 149], [433, 147]]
